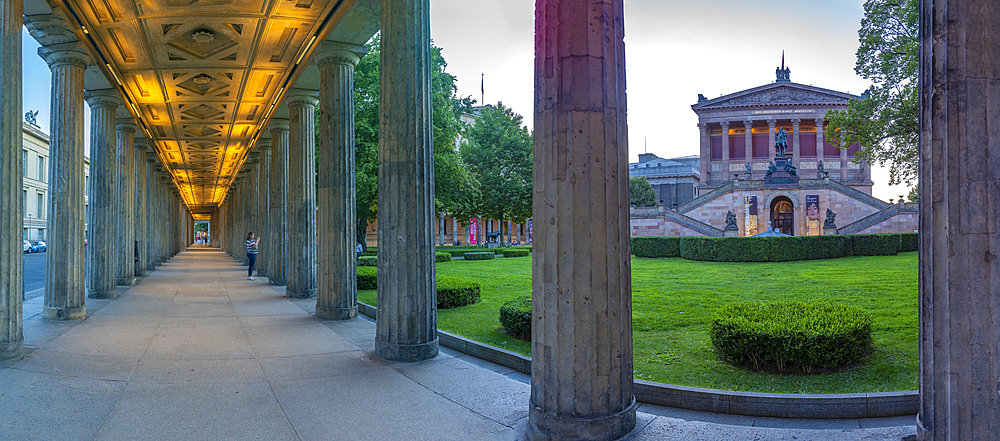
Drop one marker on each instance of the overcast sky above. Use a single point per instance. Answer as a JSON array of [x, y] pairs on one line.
[[675, 49]]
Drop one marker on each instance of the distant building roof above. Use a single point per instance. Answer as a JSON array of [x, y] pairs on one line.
[[650, 166]]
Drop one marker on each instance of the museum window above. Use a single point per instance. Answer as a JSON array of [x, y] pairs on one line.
[[39, 211], [24, 163], [24, 203], [41, 168]]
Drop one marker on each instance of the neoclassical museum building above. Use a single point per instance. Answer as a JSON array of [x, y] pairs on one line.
[[737, 149]]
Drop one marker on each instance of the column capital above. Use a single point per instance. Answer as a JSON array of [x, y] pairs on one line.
[[141, 144], [102, 98], [748, 124], [796, 122], [253, 157], [331, 53], [703, 127], [771, 122], [278, 125], [301, 98], [126, 127], [820, 121], [725, 125], [263, 145]]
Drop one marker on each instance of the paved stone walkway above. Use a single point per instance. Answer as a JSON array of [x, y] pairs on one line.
[[195, 351]]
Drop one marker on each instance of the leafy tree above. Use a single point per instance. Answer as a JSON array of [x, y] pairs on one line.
[[885, 121], [640, 193], [914, 194], [499, 151], [454, 184]]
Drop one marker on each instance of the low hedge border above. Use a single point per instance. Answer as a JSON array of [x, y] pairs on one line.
[[784, 334], [480, 255], [774, 249], [453, 292], [368, 261], [442, 257], [511, 252]]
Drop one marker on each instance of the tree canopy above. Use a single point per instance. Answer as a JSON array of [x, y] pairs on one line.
[[885, 121], [640, 193], [454, 185], [499, 151]]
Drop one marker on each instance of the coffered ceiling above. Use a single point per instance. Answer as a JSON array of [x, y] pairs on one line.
[[204, 76]]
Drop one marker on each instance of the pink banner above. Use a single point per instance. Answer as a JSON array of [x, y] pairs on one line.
[[473, 231]]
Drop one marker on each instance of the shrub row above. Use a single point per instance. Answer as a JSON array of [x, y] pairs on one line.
[[452, 292], [479, 255], [442, 257], [368, 261], [513, 252], [773, 249], [785, 334], [515, 317]]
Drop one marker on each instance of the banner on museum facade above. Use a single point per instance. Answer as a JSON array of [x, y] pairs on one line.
[[473, 231], [812, 215], [750, 215]]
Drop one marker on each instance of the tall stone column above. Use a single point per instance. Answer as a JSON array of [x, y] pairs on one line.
[[11, 142], [139, 202], [102, 254], [959, 240], [336, 196], [264, 217], [819, 139], [279, 203], [581, 370], [748, 140], [796, 147], [163, 226], [151, 211], [406, 328], [125, 239], [301, 194], [706, 153], [771, 138], [64, 271], [252, 192], [843, 163], [726, 173]]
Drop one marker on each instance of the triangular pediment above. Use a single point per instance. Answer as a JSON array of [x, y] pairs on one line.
[[777, 93]]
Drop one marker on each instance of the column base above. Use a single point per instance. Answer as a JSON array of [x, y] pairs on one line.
[[276, 281], [418, 352], [53, 313], [337, 313], [96, 294], [545, 427], [261, 273], [300, 293], [125, 282], [12, 351]]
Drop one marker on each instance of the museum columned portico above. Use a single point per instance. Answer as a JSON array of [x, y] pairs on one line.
[[204, 111]]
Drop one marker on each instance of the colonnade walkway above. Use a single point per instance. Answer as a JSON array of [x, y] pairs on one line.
[[194, 351]]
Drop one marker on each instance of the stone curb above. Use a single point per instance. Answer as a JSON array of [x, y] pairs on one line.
[[819, 406]]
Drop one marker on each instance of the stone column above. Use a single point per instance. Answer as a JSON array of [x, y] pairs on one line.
[[406, 329], [151, 211], [163, 227], [959, 239], [581, 370], [748, 140], [843, 163], [264, 216], [795, 143], [301, 194], [454, 231], [819, 139], [706, 153], [125, 239], [252, 193], [11, 142], [102, 254], [771, 138], [140, 201], [727, 175], [337, 220], [279, 203]]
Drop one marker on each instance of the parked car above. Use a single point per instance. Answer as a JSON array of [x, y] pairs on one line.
[[26, 246], [38, 247]]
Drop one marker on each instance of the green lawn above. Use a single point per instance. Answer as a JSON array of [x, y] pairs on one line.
[[673, 301]]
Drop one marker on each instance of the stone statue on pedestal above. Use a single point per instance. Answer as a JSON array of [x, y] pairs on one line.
[[730, 220], [831, 218], [781, 144]]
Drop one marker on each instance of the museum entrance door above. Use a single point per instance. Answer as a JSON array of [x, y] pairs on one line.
[[782, 216]]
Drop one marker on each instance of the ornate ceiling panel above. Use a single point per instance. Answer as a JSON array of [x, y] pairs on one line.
[[203, 76]]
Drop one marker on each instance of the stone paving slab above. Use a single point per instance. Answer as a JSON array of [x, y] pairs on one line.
[[196, 351]]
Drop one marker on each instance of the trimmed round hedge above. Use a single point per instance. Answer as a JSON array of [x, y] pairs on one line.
[[511, 252], [367, 278], [453, 292], [480, 255], [515, 317], [368, 261], [442, 257], [783, 334]]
